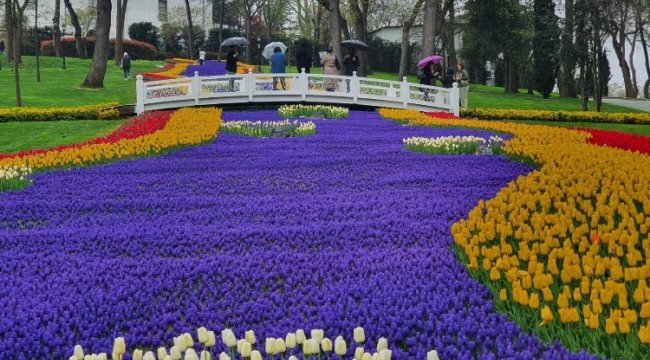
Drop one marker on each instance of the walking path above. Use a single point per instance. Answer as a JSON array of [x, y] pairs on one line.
[[638, 104]]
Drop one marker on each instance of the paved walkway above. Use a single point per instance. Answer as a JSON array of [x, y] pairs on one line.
[[639, 104]]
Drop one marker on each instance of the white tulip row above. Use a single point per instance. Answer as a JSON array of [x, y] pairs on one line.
[[298, 110], [14, 172], [244, 348], [443, 142]]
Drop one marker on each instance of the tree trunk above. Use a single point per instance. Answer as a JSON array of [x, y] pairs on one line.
[[56, 31], [120, 18], [190, 28], [221, 8], [9, 25], [16, 50], [566, 81], [429, 28], [512, 71], [644, 45], [95, 77], [618, 35], [635, 86], [78, 34], [406, 30], [345, 29], [247, 24], [360, 11], [335, 27], [451, 37]]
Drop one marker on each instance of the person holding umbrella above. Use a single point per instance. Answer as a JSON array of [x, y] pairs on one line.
[[350, 64], [231, 64], [278, 66]]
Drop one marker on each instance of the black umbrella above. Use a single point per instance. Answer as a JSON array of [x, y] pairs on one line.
[[356, 44], [236, 41]]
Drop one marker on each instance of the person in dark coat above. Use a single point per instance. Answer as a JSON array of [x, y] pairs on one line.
[[436, 73], [448, 79], [350, 62], [303, 59], [424, 76], [231, 65], [126, 65]]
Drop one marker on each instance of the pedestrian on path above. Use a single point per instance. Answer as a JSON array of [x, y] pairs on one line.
[[331, 66], [202, 54], [126, 65]]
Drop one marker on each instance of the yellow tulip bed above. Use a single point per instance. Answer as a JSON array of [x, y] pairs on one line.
[[546, 115], [186, 127], [564, 249], [100, 111]]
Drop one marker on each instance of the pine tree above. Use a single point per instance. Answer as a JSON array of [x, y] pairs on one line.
[[546, 46]]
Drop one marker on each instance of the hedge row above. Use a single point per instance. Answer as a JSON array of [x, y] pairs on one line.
[[138, 50], [89, 112], [566, 116]]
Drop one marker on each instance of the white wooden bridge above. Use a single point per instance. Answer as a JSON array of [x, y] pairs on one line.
[[300, 88]]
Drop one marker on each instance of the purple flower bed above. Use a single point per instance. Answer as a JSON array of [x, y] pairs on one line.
[[338, 230], [209, 68]]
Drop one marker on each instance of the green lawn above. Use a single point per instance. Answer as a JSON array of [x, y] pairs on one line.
[[20, 136], [60, 87], [481, 96]]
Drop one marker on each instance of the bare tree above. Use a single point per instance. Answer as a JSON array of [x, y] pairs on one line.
[[618, 15], [336, 24], [56, 31], [566, 74], [78, 34], [190, 30], [406, 30], [641, 16], [430, 27], [120, 17], [275, 14], [95, 77], [16, 15], [360, 9]]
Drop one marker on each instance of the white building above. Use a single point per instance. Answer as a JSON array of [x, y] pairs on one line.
[[153, 11]]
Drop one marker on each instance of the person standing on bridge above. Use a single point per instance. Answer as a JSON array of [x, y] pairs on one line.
[[278, 66], [462, 78], [350, 64], [231, 65], [331, 66], [303, 59]]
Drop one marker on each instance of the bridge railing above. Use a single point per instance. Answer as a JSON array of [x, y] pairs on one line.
[[300, 87]]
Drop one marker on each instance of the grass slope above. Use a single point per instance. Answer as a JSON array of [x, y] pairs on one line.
[[20, 136], [60, 87]]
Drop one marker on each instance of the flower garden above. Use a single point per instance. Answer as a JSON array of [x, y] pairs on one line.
[[382, 235]]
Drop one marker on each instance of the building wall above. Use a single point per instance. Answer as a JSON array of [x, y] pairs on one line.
[[137, 11]]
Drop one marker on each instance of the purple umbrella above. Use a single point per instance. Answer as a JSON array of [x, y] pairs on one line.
[[429, 59]]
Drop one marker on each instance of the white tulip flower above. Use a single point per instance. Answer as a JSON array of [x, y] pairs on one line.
[[382, 344], [224, 356], [190, 354], [149, 356], [246, 348], [137, 354], [359, 335], [290, 340], [358, 353], [340, 346], [202, 334], [432, 355], [280, 346], [269, 346], [300, 336], [256, 355], [79, 352], [175, 353], [250, 337], [205, 355], [211, 339], [162, 352]]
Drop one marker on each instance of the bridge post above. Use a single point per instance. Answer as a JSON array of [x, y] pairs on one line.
[[454, 99], [354, 87], [139, 91], [250, 84], [304, 84], [405, 92], [196, 88]]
